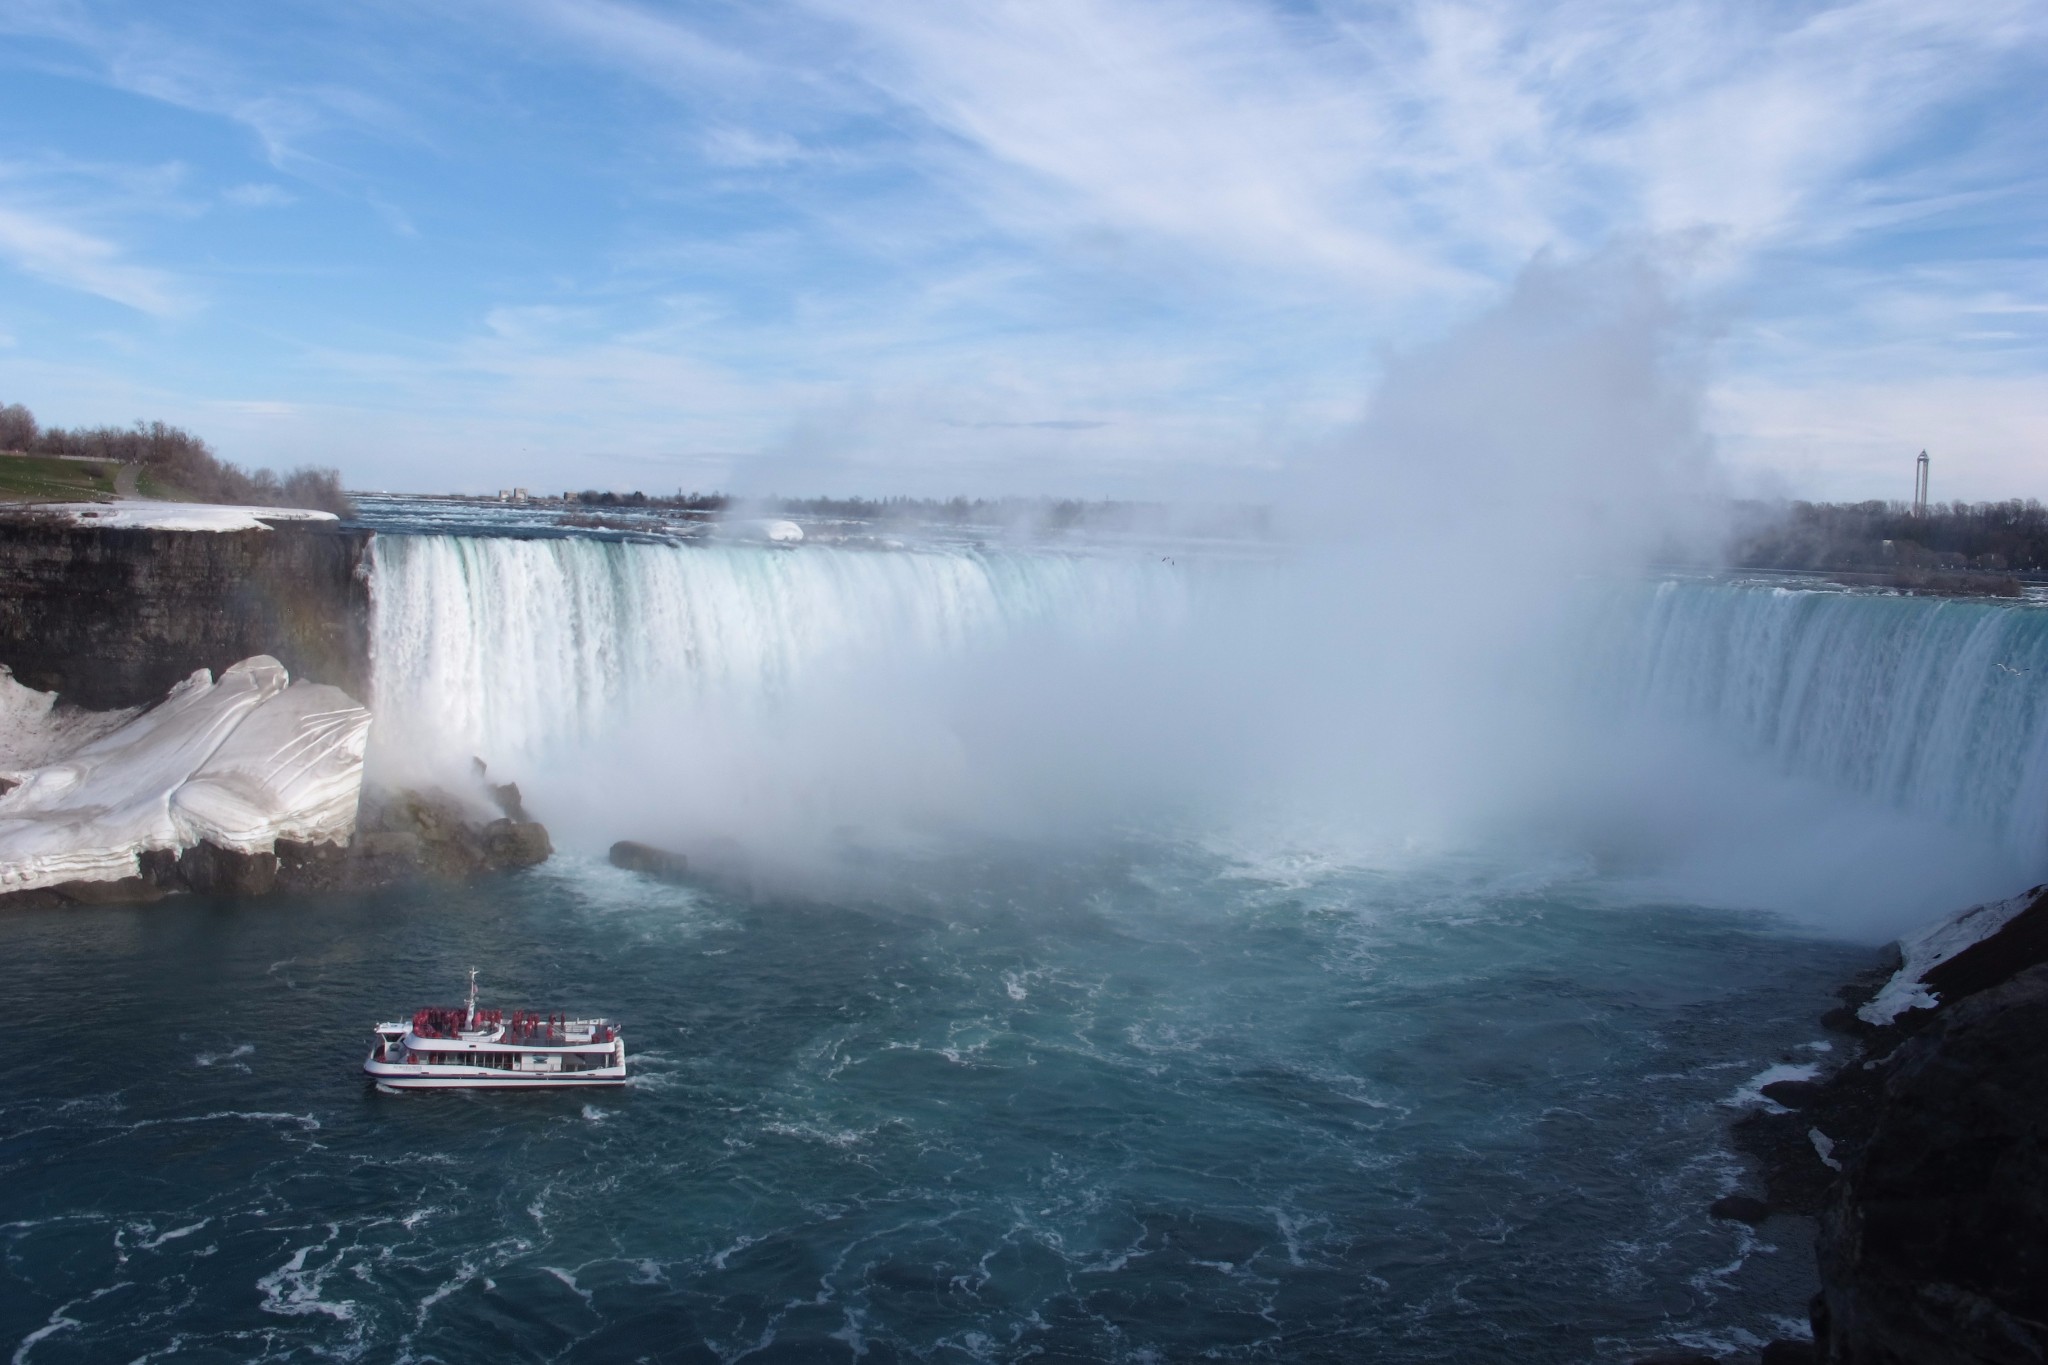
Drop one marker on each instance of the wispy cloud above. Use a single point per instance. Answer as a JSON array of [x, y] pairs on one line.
[[258, 196], [60, 254], [1077, 236]]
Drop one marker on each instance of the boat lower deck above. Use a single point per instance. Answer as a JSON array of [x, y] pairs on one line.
[[401, 1077]]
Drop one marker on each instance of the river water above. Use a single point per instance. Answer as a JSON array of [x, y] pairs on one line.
[[1156, 1088], [1141, 1102]]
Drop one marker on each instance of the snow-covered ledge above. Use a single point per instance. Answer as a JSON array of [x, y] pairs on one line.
[[177, 516], [1934, 945], [238, 763]]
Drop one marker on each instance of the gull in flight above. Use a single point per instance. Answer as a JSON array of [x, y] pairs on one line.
[[2008, 668]]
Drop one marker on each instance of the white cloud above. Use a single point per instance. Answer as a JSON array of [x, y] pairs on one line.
[[63, 255], [926, 228]]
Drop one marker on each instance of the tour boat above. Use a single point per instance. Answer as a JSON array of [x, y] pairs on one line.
[[469, 1048]]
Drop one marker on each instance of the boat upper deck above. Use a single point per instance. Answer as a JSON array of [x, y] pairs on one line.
[[495, 1029]]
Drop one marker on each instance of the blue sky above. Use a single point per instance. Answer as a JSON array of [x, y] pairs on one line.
[[1101, 246]]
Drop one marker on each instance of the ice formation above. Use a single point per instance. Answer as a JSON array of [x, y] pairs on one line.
[[1932, 946], [178, 516], [239, 762]]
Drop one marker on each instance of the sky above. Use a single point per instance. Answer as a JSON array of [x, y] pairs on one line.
[[1101, 247]]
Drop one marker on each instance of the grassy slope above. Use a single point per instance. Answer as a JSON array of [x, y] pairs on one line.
[[33, 478]]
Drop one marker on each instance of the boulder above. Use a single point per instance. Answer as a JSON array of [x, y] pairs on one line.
[[515, 843], [658, 863], [1792, 1094], [1740, 1208]]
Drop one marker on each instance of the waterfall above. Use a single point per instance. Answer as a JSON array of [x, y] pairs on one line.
[[1897, 699], [686, 659], [507, 647]]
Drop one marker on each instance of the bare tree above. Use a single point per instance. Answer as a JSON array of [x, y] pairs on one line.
[[17, 427]]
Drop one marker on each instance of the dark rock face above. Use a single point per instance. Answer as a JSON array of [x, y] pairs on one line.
[[214, 871], [654, 862], [1934, 1247], [1788, 1353], [1793, 1094], [1839, 1106], [109, 617], [1740, 1208]]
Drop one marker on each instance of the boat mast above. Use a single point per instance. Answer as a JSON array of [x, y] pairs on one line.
[[470, 1021]]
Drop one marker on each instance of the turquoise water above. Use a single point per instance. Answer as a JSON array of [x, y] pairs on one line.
[[1025, 1046], [1134, 1102]]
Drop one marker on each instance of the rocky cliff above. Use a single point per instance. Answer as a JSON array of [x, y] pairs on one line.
[[1934, 1244], [111, 617], [1925, 1154]]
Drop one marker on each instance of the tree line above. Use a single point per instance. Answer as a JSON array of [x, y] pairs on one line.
[[177, 462], [1057, 514], [1997, 537]]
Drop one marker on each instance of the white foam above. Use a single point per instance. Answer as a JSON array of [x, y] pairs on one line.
[[1934, 945], [294, 1291], [1751, 1092]]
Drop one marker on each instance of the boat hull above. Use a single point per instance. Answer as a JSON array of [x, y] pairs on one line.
[[418, 1082], [414, 1076]]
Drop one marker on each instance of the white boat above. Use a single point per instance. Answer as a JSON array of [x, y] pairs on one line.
[[469, 1048]]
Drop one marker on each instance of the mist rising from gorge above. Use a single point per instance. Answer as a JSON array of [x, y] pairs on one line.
[[1408, 677]]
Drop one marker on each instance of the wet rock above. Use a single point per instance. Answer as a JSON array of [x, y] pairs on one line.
[[1740, 1208], [1842, 1106], [658, 863], [506, 794], [1675, 1358], [127, 891], [1787, 1352], [388, 843], [516, 843], [213, 871], [1934, 1247], [1793, 1094]]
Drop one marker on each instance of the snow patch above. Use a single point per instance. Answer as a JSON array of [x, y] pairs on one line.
[[239, 762], [35, 730], [178, 516], [1824, 1148], [1931, 947]]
